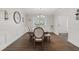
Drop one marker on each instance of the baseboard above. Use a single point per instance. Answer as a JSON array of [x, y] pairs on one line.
[[74, 43]]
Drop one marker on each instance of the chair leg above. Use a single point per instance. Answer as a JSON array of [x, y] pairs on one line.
[[49, 40], [33, 44]]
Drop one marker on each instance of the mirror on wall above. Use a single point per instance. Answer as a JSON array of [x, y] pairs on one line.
[[17, 17], [39, 21]]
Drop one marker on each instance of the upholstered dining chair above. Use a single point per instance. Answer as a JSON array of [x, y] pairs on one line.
[[38, 36]]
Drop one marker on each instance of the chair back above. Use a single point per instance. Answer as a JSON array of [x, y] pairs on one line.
[[38, 32]]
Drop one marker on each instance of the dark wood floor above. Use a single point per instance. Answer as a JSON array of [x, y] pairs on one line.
[[56, 44]]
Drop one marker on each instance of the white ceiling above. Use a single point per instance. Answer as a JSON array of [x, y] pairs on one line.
[[38, 11], [49, 11]]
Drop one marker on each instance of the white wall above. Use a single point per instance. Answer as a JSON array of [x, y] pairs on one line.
[[60, 24], [74, 31], [60, 18], [9, 30], [73, 28]]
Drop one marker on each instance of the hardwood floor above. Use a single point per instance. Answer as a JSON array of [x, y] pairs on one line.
[[56, 44]]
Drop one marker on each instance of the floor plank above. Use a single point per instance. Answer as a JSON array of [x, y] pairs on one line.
[[57, 44]]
